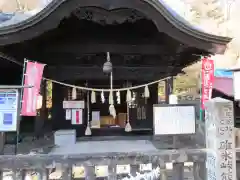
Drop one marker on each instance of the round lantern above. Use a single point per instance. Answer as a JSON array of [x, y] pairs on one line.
[[107, 67]]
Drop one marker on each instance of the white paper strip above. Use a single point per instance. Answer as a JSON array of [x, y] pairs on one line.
[[77, 116], [68, 114], [95, 119]]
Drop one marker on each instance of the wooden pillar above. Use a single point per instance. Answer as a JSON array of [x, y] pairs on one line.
[[169, 88], [178, 171], [154, 93], [41, 114], [58, 114], [199, 170]]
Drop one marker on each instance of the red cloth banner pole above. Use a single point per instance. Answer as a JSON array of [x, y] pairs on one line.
[[33, 77], [207, 76]]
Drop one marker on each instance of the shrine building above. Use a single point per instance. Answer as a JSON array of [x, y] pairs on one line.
[[146, 41]]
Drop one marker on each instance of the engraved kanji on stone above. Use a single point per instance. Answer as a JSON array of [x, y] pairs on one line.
[[225, 145], [225, 130], [227, 165], [226, 155], [226, 176]]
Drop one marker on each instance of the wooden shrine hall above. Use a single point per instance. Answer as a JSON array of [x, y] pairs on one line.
[[146, 40]]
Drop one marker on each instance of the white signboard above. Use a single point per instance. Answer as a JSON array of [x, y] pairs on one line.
[[236, 85], [95, 119], [73, 105], [179, 119], [8, 110]]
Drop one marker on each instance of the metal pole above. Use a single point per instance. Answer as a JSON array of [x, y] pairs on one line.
[[88, 107], [111, 81], [20, 105], [201, 110]]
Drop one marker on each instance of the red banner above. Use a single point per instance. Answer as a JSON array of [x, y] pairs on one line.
[[33, 78], [207, 80]]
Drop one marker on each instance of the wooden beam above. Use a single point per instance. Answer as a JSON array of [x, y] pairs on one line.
[[120, 73], [93, 48]]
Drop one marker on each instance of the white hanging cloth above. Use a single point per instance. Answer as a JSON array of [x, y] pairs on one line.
[[102, 97], [118, 97], [146, 92], [68, 114], [74, 93], [93, 97], [129, 96]]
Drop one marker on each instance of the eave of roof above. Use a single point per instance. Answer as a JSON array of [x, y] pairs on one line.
[[172, 17]]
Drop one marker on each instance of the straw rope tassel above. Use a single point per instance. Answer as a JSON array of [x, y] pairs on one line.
[[93, 97], [112, 110], [74, 93], [88, 131], [146, 92], [110, 98], [128, 127]]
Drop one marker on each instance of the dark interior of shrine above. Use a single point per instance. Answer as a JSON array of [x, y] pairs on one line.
[[76, 51]]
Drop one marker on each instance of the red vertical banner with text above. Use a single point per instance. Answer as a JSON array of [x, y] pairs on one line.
[[32, 77], [207, 73]]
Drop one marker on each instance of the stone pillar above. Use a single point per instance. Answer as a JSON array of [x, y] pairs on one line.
[[112, 174], [89, 172], [220, 140], [178, 171], [67, 172]]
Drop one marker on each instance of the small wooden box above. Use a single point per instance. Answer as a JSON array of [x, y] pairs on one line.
[[107, 120], [122, 118]]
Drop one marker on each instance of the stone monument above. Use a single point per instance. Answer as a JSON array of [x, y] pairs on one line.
[[220, 140]]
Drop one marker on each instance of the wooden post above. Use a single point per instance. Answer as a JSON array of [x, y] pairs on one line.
[[169, 88], [178, 171], [2, 142]]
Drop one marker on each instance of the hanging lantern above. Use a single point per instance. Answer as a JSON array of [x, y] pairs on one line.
[[107, 67]]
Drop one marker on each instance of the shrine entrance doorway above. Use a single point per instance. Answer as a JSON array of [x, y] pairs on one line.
[[145, 40]]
